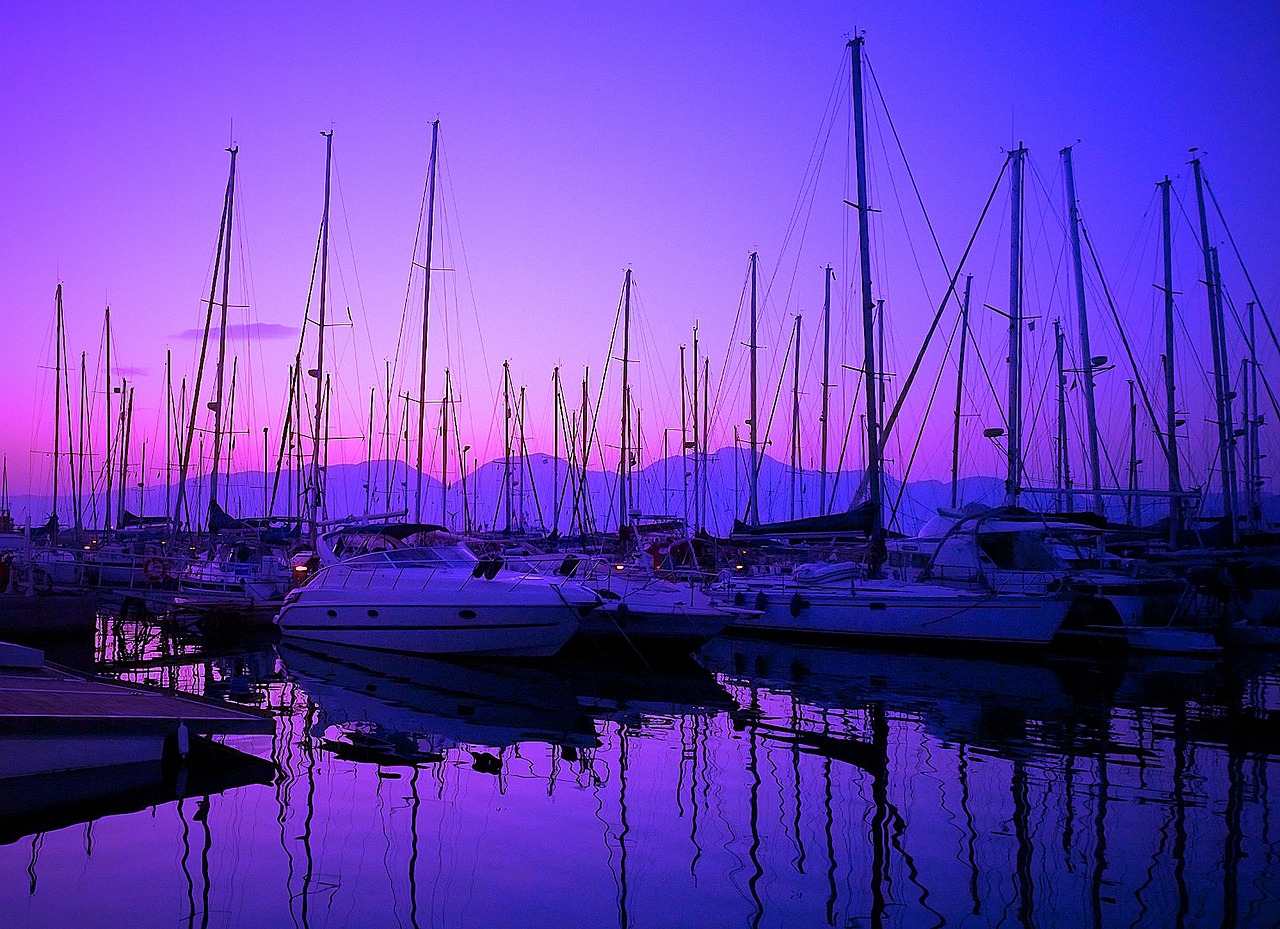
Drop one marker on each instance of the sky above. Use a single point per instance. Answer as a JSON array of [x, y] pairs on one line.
[[582, 139]]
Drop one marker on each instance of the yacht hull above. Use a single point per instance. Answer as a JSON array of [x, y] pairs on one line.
[[922, 614]]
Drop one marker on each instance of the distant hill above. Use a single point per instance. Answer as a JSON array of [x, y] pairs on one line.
[[657, 489]]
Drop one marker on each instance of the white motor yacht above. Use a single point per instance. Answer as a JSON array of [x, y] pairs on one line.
[[435, 600]]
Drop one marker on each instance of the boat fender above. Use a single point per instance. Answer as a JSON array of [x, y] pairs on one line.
[[739, 598], [154, 570], [184, 740], [481, 566], [622, 613], [761, 602], [798, 605]]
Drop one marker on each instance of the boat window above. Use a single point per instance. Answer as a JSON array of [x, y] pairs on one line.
[[1016, 551]]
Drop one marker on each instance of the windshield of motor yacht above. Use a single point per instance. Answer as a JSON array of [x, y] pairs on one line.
[[439, 556]]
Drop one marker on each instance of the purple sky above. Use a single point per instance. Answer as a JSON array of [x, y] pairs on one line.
[[582, 139]]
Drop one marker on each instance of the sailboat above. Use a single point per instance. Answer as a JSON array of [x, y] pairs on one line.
[[854, 599]]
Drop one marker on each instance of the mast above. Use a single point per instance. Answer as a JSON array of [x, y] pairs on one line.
[[426, 309], [506, 448], [1086, 355], [827, 276], [1013, 475], [624, 463], [168, 429], [57, 397], [106, 461], [556, 406], [444, 448], [1226, 440], [126, 435], [586, 451], [1170, 387], [795, 420], [1132, 502], [222, 337], [706, 437], [1253, 421], [1062, 452], [684, 437], [315, 492], [870, 372], [955, 433], [81, 440], [753, 503], [368, 457], [697, 466]]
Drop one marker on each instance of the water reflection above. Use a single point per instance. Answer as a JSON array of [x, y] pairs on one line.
[[763, 785]]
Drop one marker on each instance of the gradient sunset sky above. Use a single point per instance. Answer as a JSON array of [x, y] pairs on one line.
[[581, 139]]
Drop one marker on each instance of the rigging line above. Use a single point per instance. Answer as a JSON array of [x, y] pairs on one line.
[[809, 185], [451, 197], [768, 427], [408, 287], [1124, 340], [844, 445], [905, 163], [1235, 316], [933, 326], [355, 269], [1257, 299], [933, 395], [295, 382]]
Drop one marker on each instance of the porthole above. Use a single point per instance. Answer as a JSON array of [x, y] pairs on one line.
[[333, 613], [373, 614], [467, 614]]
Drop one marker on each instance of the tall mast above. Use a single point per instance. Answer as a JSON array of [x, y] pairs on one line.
[[506, 447], [168, 430], [1226, 440], [368, 457], [426, 309], [1253, 421], [556, 406], [444, 448], [1013, 475], [870, 372], [81, 441], [314, 495], [795, 421], [586, 451], [1086, 355], [1132, 503], [1170, 386], [827, 276], [624, 462], [697, 466], [57, 397], [706, 437], [107, 457], [222, 337], [753, 503], [684, 437], [955, 432], [1062, 454], [126, 433]]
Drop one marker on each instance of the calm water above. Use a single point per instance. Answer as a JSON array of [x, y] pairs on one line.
[[766, 786]]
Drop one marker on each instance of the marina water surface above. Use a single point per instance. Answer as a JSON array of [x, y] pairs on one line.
[[752, 785]]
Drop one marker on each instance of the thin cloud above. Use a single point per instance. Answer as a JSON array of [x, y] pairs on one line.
[[263, 331]]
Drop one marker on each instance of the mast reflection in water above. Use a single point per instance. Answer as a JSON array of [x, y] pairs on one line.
[[765, 785]]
